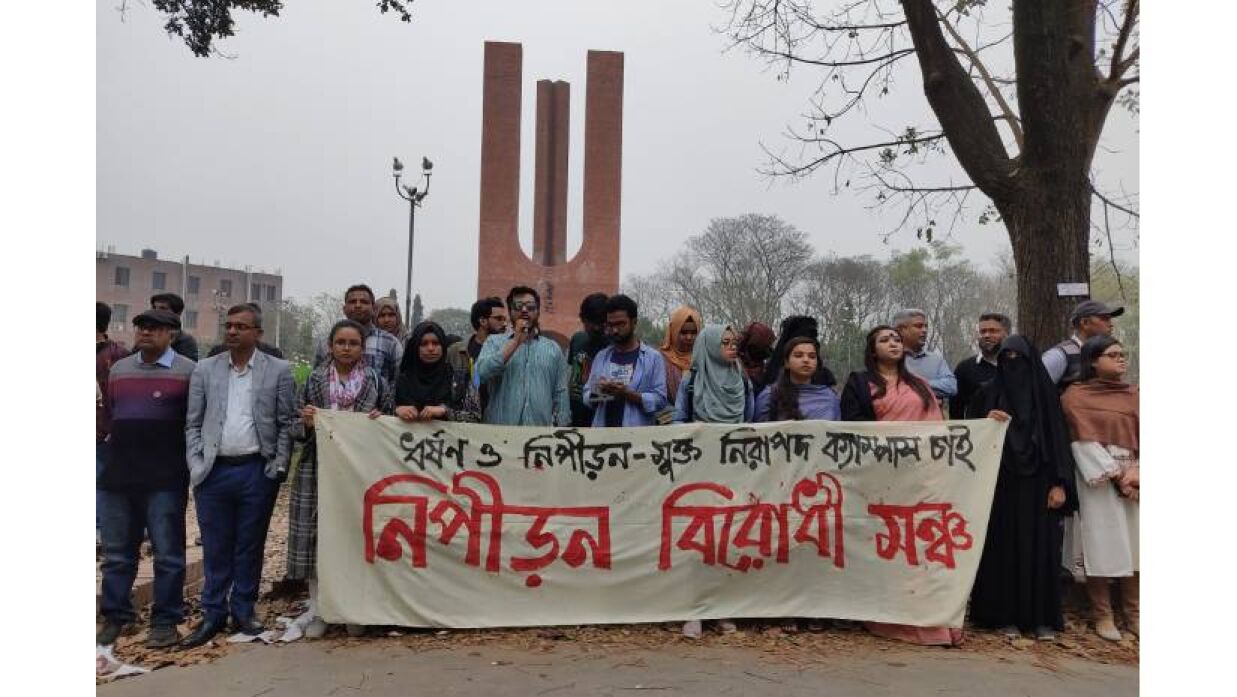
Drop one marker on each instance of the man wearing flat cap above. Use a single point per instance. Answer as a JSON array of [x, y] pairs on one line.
[[145, 483], [1089, 318]]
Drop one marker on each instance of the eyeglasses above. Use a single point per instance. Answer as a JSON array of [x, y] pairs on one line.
[[1115, 355], [728, 343], [529, 306]]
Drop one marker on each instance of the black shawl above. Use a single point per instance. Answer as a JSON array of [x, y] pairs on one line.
[[1037, 441], [422, 384], [857, 398]]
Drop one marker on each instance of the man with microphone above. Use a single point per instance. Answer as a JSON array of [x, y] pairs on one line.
[[524, 372]]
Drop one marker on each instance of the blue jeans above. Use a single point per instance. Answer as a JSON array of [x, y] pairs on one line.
[[234, 506], [100, 458], [124, 516]]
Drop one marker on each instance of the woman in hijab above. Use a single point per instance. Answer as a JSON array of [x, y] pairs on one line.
[[1017, 587], [792, 327], [428, 388], [793, 397], [388, 318], [887, 391], [755, 347], [714, 390], [1102, 412], [685, 325], [342, 383]]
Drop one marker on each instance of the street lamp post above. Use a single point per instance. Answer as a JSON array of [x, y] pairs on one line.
[[414, 197]]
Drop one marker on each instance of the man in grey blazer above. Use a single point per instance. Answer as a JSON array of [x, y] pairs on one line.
[[241, 404]]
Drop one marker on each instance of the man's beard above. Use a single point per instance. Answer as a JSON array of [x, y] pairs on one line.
[[620, 340], [990, 353]]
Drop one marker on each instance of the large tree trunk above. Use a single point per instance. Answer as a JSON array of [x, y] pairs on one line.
[[1048, 229]]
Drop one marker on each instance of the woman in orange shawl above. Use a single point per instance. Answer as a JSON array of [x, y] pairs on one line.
[[685, 325], [1102, 412]]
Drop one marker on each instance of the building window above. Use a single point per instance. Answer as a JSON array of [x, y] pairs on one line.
[[120, 313], [193, 285], [122, 276], [271, 293], [191, 319], [159, 281], [255, 292], [225, 287]]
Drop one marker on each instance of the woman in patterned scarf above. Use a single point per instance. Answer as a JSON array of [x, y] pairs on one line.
[[344, 383]]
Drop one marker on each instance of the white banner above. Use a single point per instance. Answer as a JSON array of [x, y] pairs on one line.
[[467, 525]]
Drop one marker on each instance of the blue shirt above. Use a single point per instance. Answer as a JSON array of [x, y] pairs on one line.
[[166, 360], [530, 389], [933, 368], [648, 377]]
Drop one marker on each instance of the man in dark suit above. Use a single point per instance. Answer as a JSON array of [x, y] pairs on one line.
[[241, 404]]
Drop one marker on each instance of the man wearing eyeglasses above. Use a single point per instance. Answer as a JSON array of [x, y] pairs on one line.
[[525, 373], [241, 405], [1089, 318]]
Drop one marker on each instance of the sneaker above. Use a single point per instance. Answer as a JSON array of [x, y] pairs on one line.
[[110, 632], [316, 628], [356, 630], [727, 626], [162, 636], [693, 629], [1045, 634]]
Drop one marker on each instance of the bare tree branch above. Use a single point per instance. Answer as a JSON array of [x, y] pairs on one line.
[[1010, 119], [958, 104], [1112, 254], [1113, 204], [1127, 27]]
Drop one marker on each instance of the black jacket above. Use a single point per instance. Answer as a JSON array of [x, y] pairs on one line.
[[857, 398]]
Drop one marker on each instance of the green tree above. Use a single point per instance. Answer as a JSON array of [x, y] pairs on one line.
[[296, 329], [418, 310], [1119, 286], [201, 23], [453, 320]]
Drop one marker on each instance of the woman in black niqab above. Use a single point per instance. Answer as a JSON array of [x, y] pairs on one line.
[[1018, 585], [428, 387]]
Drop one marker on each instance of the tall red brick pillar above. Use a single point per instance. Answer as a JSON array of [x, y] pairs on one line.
[[502, 264], [500, 166], [550, 178]]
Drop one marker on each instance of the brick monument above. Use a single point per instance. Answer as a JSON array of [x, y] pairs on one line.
[[502, 264]]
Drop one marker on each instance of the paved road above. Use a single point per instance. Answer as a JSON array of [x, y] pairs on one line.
[[328, 669]]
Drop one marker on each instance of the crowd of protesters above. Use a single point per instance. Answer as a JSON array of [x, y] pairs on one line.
[[225, 427]]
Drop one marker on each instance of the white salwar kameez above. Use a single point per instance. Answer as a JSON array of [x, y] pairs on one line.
[[1106, 525]]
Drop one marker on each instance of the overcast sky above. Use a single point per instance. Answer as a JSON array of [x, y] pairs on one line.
[[280, 157]]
